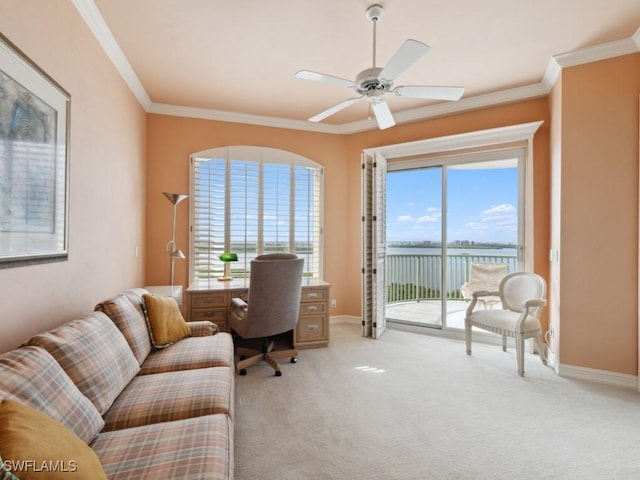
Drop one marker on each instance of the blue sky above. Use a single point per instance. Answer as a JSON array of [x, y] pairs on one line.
[[482, 205]]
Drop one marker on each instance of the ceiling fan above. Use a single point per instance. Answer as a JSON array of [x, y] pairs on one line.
[[374, 82]]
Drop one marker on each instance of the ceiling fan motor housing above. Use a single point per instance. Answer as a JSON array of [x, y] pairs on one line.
[[369, 83], [374, 12]]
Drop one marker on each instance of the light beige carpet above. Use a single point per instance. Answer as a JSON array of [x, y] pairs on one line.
[[410, 406]]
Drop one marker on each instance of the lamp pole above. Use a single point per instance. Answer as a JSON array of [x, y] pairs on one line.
[[170, 248]]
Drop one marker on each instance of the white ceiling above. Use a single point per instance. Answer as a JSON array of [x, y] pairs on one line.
[[239, 57]]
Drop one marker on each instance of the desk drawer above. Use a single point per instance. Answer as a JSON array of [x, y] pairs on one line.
[[315, 308], [311, 328], [242, 294], [310, 295], [209, 300], [217, 315]]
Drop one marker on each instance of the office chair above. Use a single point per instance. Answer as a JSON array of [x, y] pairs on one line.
[[272, 308]]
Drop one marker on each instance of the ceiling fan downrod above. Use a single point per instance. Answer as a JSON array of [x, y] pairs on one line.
[[374, 13]]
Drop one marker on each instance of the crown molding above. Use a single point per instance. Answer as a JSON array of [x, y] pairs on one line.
[[597, 52], [458, 141], [233, 117], [98, 26], [92, 17]]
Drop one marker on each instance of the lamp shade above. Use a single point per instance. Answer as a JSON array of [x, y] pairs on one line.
[[177, 254], [229, 257], [175, 198]]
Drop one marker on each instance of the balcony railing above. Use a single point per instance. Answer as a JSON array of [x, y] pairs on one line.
[[416, 277]]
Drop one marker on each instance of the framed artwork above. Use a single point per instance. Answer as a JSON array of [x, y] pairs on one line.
[[34, 162]]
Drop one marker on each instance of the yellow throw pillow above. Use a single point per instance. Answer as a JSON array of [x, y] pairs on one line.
[[165, 321], [33, 445]]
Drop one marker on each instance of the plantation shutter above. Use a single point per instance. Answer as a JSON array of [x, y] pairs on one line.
[[308, 215], [208, 204], [374, 169], [380, 244], [252, 201]]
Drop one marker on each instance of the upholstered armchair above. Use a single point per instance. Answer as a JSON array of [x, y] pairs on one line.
[[522, 296]]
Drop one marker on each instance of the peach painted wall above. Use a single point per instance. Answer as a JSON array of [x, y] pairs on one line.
[[107, 172], [171, 140], [599, 211]]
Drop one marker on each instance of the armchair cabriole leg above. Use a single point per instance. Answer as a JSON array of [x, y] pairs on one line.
[[520, 353], [467, 334]]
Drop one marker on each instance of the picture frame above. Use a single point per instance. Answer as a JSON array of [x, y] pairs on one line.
[[34, 162]]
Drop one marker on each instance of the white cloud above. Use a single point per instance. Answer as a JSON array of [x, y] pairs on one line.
[[502, 208], [427, 218], [405, 218]]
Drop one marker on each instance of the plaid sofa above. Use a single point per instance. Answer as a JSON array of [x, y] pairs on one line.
[[147, 413]]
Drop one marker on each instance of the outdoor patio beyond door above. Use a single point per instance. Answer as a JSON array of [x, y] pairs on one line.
[[443, 219]]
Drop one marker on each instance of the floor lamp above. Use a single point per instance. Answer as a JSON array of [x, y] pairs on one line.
[[170, 248]]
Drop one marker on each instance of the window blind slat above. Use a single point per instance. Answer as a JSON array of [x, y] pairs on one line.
[[249, 201]]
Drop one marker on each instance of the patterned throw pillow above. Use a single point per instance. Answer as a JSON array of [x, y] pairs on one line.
[[166, 324], [36, 446]]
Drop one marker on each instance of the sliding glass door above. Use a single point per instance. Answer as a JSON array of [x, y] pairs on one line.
[[445, 215]]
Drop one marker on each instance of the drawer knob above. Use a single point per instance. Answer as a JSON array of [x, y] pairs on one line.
[[312, 295], [312, 308], [312, 327], [209, 300], [209, 314]]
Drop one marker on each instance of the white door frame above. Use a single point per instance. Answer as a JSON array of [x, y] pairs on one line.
[[496, 137]]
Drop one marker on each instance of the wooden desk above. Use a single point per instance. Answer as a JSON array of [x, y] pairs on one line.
[[210, 300]]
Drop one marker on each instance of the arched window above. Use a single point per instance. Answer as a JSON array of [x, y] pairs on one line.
[[251, 201]]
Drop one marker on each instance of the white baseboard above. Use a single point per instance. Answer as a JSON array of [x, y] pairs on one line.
[[346, 319], [599, 376]]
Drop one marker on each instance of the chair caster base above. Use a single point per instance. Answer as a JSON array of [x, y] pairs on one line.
[[243, 371], [278, 373], [294, 359]]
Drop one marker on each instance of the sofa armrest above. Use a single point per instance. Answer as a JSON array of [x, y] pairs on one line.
[[202, 328]]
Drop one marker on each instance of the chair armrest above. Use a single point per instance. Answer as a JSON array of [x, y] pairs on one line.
[[238, 308], [238, 303], [202, 328], [534, 302], [485, 293]]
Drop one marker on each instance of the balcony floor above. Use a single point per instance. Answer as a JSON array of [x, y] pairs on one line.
[[428, 313]]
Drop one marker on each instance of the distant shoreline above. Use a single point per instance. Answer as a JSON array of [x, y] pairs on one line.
[[466, 247]]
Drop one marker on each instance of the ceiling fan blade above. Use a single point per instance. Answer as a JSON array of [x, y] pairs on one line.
[[382, 113], [423, 91], [321, 77], [407, 54], [335, 109]]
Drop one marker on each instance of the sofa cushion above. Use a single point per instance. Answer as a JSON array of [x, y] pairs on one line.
[[127, 313], [165, 321], [190, 449], [94, 354], [190, 353], [165, 397], [31, 376], [44, 447]]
